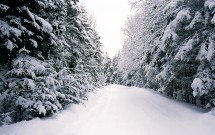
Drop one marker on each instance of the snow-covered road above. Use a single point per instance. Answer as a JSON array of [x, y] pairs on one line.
[[120, 110]]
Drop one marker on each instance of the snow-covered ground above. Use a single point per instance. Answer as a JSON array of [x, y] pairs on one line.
[[120, 110]]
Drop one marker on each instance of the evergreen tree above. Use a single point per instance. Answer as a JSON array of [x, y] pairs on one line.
[[31, 89], [117, 75], [175, 51], [111, 70], [107, 69], [51, 56], [187, 33], [26, 93]]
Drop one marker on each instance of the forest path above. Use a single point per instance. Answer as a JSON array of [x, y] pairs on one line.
[[120, 110]]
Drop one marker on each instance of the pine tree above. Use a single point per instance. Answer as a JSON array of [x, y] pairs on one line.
[[177, 49], [117, 75], [23, 28], [108, 71], [51, 54], [185, 39], [31, 88]]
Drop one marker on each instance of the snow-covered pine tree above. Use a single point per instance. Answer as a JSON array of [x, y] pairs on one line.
[[107, 69], [111, 70], [31, 88], [22, 27], [176, 49], [198, 51], [56, 36], [177, 19], [116, 75], [186, 41], [87, 50], [79, 56]]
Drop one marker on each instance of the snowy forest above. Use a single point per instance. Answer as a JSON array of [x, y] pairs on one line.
[[50, 57], [51, 54], [170, 47]]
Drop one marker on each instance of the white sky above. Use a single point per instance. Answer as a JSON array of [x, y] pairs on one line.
[[110, 16]]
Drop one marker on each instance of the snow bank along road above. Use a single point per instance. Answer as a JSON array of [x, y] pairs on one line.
[[120, 110]]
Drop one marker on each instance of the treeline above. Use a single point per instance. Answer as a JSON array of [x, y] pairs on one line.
[[112, 74], [170, 47], [49, 56]]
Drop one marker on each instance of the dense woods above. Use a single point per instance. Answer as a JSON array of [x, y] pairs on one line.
[[170, 47], [50, 56]]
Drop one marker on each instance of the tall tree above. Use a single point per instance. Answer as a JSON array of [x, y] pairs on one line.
[[51, 56], [176, 54]]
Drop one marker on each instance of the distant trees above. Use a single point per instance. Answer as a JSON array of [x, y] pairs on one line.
[[50, 56], [172, 46], [111, 70]]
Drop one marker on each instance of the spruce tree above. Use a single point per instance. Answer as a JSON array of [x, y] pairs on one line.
[[177, 55], [50, 57]]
